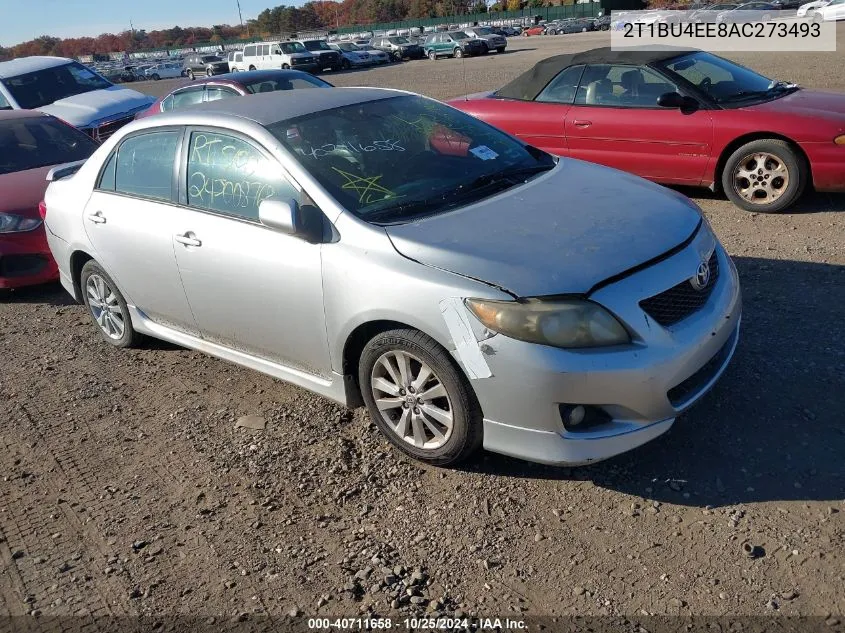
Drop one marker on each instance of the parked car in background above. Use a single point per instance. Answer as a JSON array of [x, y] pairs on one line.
[[167, 70], [710, 13], [678, 117], [833, 11], [197, 65], [236, 84], [809, 7], [453, 44], [492, 41], [377, 56], [467, 339], [70, 91], [602, 23], [787, 5], [31, 143], [749, 12], [327, 57], [352, 56], [534, 30], [398, 47], [273, 55]]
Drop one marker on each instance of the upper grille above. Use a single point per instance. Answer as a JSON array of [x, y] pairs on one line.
[[677, 303], [105, 130]]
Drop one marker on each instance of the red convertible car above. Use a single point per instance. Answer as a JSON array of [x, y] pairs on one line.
[[682, 117]]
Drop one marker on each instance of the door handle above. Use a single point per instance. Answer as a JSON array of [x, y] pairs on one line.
[[96, 218], [187, 239], [582, 123]]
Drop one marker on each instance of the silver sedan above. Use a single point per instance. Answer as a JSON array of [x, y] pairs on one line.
[[383, 249]]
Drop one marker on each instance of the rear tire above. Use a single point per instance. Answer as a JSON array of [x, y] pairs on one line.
[[500, 50], [285, 66], [209, 72], [106, 306], [765, 176], [346, 65], [190, 74], [252, 67], [442, 429], [156, 77]]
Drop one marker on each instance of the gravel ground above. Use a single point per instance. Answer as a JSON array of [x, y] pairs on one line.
[[128, 490]]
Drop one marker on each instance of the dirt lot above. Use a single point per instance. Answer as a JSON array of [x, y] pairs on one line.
[[128, 490]]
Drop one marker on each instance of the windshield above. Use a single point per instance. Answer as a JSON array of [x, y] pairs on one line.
[[483, 31], [398, 40], [347, 46], [725, 81], [293, 47], [459, 35], [44, 87], [404, 157], [30, 143], [211, 58], [317, 45]]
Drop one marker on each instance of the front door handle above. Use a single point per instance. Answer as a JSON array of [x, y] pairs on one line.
[[96, 218], [187, 239], [582, 123]]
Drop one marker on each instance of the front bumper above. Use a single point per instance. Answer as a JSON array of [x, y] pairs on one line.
[[827, 165], [25, 259], [631, 384]]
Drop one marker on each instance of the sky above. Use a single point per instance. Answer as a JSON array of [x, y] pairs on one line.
[[22, 20]]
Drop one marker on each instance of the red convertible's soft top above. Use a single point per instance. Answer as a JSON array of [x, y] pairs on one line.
[[530, 83]]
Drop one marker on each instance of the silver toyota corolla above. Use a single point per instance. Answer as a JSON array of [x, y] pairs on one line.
[[382, 249]]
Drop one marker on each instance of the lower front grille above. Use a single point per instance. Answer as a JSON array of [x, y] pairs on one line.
[[105, 130], [679, 302], [683, 393]]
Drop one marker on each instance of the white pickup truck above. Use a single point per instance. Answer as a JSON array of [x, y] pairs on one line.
[[70, 91]]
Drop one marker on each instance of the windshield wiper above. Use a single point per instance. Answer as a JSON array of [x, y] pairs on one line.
[[773, 88]]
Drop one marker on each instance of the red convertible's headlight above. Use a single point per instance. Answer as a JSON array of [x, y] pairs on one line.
[[840, 140]]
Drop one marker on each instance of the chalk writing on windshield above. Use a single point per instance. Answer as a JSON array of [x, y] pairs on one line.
[[354, 148], [367, 189]]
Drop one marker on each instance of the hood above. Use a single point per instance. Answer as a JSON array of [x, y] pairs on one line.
[[90, 107], [300, 55], [812, 103], [21, 191], [562, 233]]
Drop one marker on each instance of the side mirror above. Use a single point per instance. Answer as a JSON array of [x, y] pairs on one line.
[[279, 215], [675, 100]]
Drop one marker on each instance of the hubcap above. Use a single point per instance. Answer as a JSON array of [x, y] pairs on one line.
[[104, 307], [412, 400], [761, 178]]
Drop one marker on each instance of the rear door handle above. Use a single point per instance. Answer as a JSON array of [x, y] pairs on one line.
[[96, 218], [187, 239], [582, 123]]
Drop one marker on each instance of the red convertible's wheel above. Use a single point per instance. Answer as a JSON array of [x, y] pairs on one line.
[[766, 176]]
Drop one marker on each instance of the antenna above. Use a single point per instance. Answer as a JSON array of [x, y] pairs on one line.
[[464, 68]]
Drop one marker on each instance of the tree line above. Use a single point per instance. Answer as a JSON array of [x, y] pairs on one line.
[[318, 14]]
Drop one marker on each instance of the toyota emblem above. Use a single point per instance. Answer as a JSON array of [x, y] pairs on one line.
[[702, 276]]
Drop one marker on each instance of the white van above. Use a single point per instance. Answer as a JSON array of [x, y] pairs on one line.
[[272, 55]]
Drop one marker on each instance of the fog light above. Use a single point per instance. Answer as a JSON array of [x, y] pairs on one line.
[[573, 415]]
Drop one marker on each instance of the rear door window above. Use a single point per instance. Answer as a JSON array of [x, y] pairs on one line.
[[145, 165]]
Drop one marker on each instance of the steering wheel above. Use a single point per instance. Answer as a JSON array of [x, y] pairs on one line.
[[705, 84]]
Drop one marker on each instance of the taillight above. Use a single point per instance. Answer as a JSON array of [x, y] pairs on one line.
[[42, 210]]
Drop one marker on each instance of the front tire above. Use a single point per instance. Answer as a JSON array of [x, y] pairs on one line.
[[156, 77], [190, 74], [418, 397], [765, 176], [457, 53], [209, 72], [346, 65], [285, 66], [107, 306], [432, 55]]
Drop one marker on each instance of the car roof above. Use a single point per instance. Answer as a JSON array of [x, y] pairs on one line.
[[22, 114], [529, 84], [246, 77], [24, 65], [271, 107]]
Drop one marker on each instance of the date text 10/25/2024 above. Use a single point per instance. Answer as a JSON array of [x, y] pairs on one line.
[[417, 624]]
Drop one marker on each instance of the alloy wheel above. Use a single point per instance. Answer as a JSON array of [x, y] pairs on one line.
[[412, 400], [761, 178], [104, 306]]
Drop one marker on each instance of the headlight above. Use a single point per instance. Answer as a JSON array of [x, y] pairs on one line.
[[565, 323], [17, 223]]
